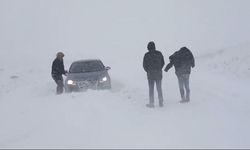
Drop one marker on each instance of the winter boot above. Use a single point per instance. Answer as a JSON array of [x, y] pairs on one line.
[[150, 105], [188, 98], [183, 100], [161, 104]]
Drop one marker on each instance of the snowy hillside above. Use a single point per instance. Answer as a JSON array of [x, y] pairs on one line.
[[32, 116], [218, 116], [232, 61]]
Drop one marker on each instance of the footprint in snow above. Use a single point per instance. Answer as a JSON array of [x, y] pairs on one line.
[[14, 77]]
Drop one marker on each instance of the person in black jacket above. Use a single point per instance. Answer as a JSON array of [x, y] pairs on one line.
[[153, 63], [182, 60], [57, 72]]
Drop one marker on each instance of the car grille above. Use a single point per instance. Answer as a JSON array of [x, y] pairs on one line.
[[87, 84]]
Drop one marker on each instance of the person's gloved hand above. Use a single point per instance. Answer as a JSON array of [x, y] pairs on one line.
[[166, 69], [66, 73]]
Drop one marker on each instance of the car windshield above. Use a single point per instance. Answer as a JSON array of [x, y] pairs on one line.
[[88, 66]]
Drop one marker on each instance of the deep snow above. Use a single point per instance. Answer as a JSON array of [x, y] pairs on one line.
[[32, 116]]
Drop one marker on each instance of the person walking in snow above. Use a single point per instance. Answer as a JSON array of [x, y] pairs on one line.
[[153, 63], [182, 60], [57, 72]]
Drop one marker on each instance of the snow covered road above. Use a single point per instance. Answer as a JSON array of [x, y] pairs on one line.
[[117, 32], [32, 116]]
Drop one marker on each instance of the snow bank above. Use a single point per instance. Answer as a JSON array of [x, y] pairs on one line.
[[230, 61], [32, 116]]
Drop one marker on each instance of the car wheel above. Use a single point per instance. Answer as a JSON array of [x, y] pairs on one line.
[[68, 90], [108, 87]]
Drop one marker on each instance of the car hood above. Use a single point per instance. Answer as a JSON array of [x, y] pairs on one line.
[[86, 76]]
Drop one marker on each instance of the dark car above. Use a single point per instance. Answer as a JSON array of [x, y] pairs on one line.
[[87, 74]]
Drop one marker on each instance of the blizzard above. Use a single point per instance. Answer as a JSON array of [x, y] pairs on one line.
[[117, 32]]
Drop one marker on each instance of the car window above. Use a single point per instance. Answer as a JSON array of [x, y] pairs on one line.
[[82, 67]]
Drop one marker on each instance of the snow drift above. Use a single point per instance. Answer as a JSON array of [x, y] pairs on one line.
[[32, 116]]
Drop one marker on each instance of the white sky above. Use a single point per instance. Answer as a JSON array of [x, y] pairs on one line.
[[118, 26]]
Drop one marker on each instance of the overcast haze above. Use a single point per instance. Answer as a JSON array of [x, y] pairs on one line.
[[117, 32], [118, 26]]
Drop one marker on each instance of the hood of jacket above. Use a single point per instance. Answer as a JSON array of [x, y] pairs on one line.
[[151, 46]]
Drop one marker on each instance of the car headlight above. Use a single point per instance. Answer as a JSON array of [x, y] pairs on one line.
[[71, 82], [104, 79]]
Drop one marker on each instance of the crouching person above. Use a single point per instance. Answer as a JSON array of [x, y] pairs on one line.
[[57, 72]]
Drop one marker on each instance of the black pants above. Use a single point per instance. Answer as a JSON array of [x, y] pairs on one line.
[[151, 84], [59, 81]]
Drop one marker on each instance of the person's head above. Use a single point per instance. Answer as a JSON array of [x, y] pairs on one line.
[[184, 49], [60, 55], [151, 46]]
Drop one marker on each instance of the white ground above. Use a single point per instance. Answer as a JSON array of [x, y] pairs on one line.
[[32, 116]]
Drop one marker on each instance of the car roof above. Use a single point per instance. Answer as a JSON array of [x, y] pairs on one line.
[[87, 60]]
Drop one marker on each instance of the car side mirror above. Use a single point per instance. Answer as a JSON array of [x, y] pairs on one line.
[[107, 68]]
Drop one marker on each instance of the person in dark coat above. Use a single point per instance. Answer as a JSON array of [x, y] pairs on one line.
[[182, 60], [57, 72], [153, 64]]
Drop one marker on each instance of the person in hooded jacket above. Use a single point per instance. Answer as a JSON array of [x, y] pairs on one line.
[[153, 63], [57, 72], [182, 60]]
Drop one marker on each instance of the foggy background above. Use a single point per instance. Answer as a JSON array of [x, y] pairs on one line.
[[117, 32], [35, 29]]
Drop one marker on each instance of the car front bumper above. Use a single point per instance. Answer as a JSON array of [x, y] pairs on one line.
[[85, 85]]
